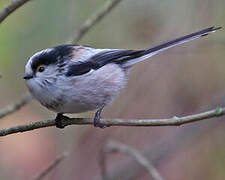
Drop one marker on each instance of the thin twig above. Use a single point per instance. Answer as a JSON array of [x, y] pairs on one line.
[[112, 146], [175, 121], [51, 166], [4, 13], [14, 107], [102, 164], [164, 147], [94, 19], [10, 8]]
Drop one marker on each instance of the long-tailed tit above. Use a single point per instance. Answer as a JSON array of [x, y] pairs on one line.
[[74, 78]]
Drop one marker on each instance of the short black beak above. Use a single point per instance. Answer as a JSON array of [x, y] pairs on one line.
[[27, 76]]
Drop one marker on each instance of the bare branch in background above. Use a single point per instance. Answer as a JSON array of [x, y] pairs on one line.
[[158, 153], [175, 121], [94, 19], [14, 107], [84, 28], [10, 8], [102, 164], [51, 166], [113, 147]]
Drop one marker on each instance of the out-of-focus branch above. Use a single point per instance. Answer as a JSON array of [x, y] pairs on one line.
[[4, 13], [158, 153], [14, 107], [10, 8], [94, 19], [50, 167], [102, 164], [112, 147], [175, 121]]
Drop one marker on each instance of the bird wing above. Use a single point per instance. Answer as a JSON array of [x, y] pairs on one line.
[[127, 58]]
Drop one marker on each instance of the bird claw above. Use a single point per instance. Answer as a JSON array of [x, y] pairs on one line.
[[58, 121], [97, 119]]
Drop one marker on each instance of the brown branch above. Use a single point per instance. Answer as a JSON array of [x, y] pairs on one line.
[[158, 153], [10, 8], [14, 107], [4, 13], [50, 167], [102, 164], [112, 147], [175, 121], [94, 19]]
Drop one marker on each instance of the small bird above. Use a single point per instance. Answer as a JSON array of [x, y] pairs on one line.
[[73, 78]]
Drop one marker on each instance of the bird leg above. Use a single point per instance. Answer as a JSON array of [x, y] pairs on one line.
[[97, 118], [58, 120]]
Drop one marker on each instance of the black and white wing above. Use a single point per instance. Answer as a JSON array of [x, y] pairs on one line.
[[127, 58]]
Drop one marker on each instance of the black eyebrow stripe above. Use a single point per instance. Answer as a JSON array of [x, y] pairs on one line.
[[44, 58], [58, 53]]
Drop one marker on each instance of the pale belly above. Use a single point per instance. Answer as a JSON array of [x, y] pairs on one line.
[[82, 93]]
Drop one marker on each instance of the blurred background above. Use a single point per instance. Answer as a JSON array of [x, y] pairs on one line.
[[180, 81]]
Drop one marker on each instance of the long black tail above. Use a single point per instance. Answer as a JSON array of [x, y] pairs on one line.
[[142, 55], [127, 58]]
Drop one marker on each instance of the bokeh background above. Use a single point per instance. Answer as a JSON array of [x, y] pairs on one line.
[[180, 81]]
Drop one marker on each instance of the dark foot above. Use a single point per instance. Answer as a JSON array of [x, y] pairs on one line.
[[58, 121], [97, 118]]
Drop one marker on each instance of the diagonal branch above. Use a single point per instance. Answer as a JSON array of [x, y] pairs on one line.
[[94, 19], [112, 146], [51, 166], [10, 8], [14, 107], [175, 121]]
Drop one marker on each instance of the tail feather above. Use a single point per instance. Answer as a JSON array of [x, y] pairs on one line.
[[166, 45]]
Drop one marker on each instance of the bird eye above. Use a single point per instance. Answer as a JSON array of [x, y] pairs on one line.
[[40, 68]]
